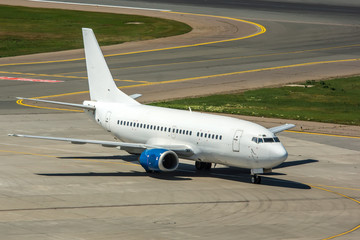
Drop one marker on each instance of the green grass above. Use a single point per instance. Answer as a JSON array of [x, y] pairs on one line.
[[34, 30], [332, 101]]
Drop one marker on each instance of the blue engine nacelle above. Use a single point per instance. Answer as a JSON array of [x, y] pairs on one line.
[[159, 160]]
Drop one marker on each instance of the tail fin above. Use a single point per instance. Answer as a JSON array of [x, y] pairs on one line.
[[101, 83]]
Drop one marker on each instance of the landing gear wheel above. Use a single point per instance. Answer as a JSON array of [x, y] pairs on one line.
[[207, 166], [200, 165], [255, 179]]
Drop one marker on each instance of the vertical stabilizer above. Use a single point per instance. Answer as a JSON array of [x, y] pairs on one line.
[[101, 83]]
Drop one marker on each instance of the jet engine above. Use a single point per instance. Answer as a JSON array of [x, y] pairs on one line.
[[159, 160]]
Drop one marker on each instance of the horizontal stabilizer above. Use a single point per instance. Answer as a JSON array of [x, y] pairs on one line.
[[281, 128], [135, 96], [60, 103]]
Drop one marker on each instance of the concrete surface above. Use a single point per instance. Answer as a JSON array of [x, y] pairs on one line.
[[54, 190]]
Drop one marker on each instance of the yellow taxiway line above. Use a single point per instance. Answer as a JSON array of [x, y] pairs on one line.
[[322, 134], [342, 195]]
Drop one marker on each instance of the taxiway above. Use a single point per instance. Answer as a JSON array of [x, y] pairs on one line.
[[52, 190]]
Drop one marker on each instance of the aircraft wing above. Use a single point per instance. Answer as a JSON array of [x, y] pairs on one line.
[[138, 148], [281, 128]]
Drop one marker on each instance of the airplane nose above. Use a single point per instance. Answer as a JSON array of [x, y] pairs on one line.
[[278, 154]]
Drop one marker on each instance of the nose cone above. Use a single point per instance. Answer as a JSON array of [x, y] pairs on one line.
[[278, 154]]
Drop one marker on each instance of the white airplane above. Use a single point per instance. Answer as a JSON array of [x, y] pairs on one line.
[[161, 136]]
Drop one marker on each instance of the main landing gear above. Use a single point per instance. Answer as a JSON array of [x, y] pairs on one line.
[[255, 179], [202, 165]]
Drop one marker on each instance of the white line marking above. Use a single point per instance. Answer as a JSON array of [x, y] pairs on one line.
[[101, 5], [29, 79]]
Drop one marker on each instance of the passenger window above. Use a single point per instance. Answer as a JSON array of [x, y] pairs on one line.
[[187, 132], [205, 135], [177, 130], [137, 125], [201, 135], [217, 136], [197, 134], [121, 123], [165, 129], [213, 136], [220, 137], [190, 133]]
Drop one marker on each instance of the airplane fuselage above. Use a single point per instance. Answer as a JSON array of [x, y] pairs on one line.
[[212, 138]]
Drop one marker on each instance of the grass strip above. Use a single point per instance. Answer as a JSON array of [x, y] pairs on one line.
[[25, 30], [331, 101]]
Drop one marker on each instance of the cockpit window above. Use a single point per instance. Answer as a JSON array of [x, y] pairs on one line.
[[265, 140]]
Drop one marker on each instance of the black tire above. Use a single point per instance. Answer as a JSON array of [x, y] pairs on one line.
[[255, 179], [199, 165], [207, 166]]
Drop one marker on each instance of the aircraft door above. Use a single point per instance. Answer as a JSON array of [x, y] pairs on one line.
[[107, 121], [236, 140]]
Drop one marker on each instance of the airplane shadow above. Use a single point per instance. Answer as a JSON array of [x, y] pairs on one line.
[[127, 158], [296, 163], [187, 172]]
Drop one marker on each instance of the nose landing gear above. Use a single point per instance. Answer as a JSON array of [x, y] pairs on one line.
[[255, 179]]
